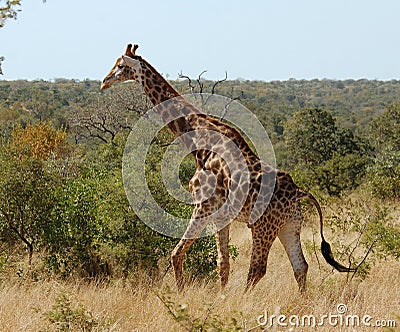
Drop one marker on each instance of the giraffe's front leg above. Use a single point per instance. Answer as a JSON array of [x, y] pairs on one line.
[[196, 225], [177, 260], [222, 239]]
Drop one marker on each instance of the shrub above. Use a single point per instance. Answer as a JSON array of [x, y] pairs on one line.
[[39, 141], [376, 234], [334, 176], [384, 174], [63, 317]]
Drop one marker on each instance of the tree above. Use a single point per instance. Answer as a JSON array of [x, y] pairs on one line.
[[26, 183], [39, 141], [8, 10], [75, 231], [311, 136], [325, 156], [384, 173], [385, 128], [104, 119], [26, 191]]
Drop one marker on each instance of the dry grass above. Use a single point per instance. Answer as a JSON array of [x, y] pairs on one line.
[[133, 305], [124, 306]]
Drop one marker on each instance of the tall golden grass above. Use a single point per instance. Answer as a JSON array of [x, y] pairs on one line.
[[136, 305]]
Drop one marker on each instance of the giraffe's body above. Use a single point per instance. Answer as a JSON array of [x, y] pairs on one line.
[[207, 138]]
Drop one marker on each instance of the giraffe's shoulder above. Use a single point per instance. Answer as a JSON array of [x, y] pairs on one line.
[[284, 181]]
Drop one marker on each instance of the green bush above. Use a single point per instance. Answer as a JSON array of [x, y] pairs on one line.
[[384, 174], [64, 316], [377, 235], [26, 191], [324, 156], [75, 230], [334, 176]]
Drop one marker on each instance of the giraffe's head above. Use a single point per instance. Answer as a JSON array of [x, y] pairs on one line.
[[127, 67]]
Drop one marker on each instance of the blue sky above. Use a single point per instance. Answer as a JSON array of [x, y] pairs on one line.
[[263, 40]]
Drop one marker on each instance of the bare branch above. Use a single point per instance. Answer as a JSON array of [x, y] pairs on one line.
[[110, 115], [199, 82], [364, 259], [1, 60], [191, 86], [218, 82]]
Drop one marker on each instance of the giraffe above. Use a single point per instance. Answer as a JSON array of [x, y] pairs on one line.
[[270, 200]]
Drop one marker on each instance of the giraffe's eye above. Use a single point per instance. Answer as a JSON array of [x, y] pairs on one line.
[[120, 66]]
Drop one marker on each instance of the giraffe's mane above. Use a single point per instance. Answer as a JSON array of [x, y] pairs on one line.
[[153, 70]]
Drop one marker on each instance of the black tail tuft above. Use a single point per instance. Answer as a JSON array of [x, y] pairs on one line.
[[327, 253], [325, 246]]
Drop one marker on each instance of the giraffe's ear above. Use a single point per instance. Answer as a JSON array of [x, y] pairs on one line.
[[128, 51]]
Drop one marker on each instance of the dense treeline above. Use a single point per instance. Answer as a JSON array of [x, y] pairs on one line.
[[62, 143], [352, 102]]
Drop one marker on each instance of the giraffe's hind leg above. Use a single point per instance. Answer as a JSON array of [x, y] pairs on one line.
[[222, 239], [289, 235], [263, 237]]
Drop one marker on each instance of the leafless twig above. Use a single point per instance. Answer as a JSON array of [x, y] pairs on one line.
[[218, 82]]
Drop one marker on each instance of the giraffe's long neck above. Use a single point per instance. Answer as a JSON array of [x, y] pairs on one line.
[[159, 90], [174, 113]]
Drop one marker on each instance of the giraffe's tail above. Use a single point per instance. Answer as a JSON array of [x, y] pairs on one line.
[[325, 246]]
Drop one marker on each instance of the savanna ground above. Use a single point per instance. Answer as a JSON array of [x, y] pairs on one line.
[[32, 303]]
